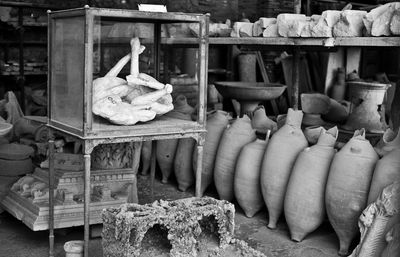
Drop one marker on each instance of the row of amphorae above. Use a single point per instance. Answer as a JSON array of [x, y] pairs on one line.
[[303, 183]]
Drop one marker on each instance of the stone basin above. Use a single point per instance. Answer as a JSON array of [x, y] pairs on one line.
[[249, 94]]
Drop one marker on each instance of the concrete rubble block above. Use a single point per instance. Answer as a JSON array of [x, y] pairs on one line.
[[291, 25], [325, 23], [124, 228], [350, 24], [242, 29], [310, 24], [372, 15], [395, 23], [271, 31], [381, 24], [265, 22], [257, 29]]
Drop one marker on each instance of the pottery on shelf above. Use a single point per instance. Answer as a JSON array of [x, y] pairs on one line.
[[313, 105], [181, 105], [338, 111], [348, 186], [249, 94], [233, 139], [247, 177], [217, 121], [366, 114], [304, 205], [260, 121], [183, 163], [280, 155]]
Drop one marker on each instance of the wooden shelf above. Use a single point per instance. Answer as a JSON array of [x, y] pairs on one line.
[[26, 73], [287, 42], [11, 42]]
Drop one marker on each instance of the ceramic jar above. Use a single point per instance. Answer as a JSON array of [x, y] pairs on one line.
[[145, 157], [247, 186], [217, 121], [260, 121], [386, 171], [278, 161], [181, 105], [233, 139], [304, 205], [183, 163], [348, 186], [390, 140], [166, 149]]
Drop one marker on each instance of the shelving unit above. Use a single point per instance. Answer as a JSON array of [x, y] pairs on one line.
[[295, 45], [73, 40], [21, 26]]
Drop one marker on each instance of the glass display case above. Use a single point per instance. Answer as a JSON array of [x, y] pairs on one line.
[[85, 43], [96, 57]]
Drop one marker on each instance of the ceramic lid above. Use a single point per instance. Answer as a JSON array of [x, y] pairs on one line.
[[15, 151]]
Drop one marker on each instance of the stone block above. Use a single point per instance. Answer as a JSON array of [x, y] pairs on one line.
[[271, 31], [242, 29], [291, 25], [350, 24], [395, 23], [125, 228]]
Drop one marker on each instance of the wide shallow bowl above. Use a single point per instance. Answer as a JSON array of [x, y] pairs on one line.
[[249, 91], [5, 128]]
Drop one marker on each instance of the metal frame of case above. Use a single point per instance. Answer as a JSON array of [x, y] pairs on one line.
[[159, 129]]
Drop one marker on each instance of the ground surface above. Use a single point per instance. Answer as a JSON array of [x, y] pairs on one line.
[[17, 240]]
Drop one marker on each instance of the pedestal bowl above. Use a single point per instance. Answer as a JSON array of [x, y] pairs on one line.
[[249, 94]]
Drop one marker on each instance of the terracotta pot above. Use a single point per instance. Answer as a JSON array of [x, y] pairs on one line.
[[278, 161], [386, 171], [312, 133], [260, 121], [234, 138], [314, 103], [145, 157], [183, 163], [247, 177], [304, 205], [338, 111], [181, 105], [216, 124], [392, 238], [165, 155], [165, 152], [348, 186], [390, 140]]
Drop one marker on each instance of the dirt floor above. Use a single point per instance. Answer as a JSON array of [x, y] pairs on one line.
[[17, 240]]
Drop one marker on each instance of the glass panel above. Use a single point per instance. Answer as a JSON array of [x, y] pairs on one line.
[[111, 41], [67, 71]]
